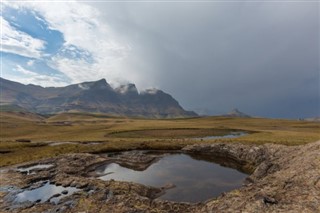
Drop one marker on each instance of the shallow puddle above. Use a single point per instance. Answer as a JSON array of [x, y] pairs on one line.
[[231, 135], [194, 180], [47, 192], [61, 143], [77, 143], [29, 169]]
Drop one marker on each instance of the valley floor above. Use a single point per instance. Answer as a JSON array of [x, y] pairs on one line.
[[47, 136], [281, 156]]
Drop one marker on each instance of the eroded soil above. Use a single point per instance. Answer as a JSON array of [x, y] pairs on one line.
[[283, 179]]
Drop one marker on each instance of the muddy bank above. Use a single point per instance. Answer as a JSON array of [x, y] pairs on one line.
[[283, 179]]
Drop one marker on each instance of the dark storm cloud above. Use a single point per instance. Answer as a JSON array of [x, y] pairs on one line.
[[262, 57]]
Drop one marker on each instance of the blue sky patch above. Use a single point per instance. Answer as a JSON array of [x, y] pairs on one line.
[[11, 61], [36, 26], [73, 52]]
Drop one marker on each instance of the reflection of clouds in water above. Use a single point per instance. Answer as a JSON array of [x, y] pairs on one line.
[[215, 183], [147, 177], [195, 180], [44, 192]]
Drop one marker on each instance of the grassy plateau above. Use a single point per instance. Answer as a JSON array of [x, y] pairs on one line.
[[25, 136]]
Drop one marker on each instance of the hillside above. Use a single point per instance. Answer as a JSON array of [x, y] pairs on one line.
[[96, 96]]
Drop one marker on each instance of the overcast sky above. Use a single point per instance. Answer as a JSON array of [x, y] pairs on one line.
[[261, 57]]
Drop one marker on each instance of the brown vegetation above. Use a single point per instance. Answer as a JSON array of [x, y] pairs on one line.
[[120, 133]]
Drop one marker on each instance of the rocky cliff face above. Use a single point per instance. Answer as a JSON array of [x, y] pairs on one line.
[[97, 96]]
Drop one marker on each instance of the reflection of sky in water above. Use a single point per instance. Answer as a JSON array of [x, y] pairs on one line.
[[61, 143], [231, 135], [195, 180], [44, 192]]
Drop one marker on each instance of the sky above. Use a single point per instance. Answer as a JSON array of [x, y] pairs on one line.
[[261, 57]]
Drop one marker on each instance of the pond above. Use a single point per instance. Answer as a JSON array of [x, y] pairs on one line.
[[194, 180], [47, 192]]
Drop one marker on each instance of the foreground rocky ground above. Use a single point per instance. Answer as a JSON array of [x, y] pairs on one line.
[[283, 179]]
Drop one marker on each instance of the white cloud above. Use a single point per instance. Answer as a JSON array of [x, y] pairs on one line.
[[30, 77], [82, 28], [25, 71], [17, 42], [30, 63]]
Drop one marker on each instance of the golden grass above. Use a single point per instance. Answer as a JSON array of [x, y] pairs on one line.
[[119, 133]]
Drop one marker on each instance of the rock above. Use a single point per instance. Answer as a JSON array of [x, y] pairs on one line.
[[64, 192], [168, 186], [55, 195], [269, 200], [281, 179]]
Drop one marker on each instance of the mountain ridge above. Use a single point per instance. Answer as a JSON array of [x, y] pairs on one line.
[[92, 96]]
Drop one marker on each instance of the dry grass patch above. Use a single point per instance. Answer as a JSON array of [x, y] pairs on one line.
[[121, 133]]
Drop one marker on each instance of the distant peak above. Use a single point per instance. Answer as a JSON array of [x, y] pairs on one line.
[[102, 81], [237, 113], [127, 88], [100, 84], [236, 110]]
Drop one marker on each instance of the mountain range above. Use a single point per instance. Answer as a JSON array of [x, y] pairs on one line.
[[96, 96]]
